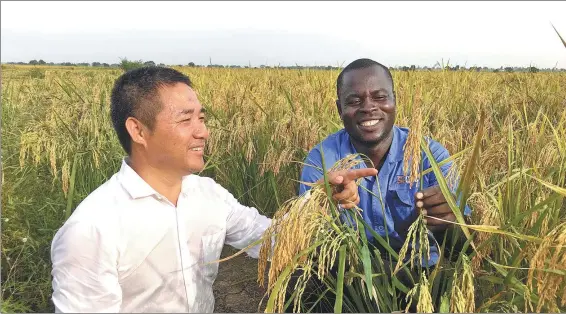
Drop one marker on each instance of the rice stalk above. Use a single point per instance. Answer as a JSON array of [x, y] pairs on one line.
[[424, 299], [298, 224], [550, 255], [462, 299], [512, 213]]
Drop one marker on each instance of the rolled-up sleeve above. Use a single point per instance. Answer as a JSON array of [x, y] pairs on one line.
[[85, 277]]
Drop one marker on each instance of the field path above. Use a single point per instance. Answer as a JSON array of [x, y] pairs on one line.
[[236, 289]]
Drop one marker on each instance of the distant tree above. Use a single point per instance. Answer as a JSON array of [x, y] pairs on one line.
[[533, 69], [128, 65], [96, 64], [34, 62], [149, 63], [509, 69], [106, 65], [41, 62], [191, 64]]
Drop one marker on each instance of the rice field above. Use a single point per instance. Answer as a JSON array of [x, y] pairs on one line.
[[58, 145]]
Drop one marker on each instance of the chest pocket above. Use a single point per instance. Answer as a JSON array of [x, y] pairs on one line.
[[402, 204]]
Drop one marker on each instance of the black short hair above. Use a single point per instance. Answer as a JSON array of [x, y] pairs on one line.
[[361, 64], [136, 94]]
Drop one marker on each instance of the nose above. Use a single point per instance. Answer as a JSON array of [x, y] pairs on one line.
[[202, 132], [369, 105]]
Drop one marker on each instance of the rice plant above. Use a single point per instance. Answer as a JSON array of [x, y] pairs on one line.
[[58, 145]]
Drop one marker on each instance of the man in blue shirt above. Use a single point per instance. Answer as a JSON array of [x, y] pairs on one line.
[[367, 106]]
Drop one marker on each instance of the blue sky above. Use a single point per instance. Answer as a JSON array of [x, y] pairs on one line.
[[483, 33]]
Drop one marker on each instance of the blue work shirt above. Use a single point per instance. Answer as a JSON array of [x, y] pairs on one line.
[[398, 197]]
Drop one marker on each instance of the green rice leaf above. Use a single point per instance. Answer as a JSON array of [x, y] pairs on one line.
[[555, 188], [340, 279]]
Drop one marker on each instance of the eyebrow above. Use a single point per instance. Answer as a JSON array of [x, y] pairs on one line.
[[190, 111], [354, 94]]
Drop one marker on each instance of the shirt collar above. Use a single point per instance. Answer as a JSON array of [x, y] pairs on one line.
[[137, 187], [133, 183]]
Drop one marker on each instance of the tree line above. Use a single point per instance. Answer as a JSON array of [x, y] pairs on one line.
[[126, 64]]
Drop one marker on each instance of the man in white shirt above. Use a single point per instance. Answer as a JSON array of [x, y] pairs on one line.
[[143, 240]]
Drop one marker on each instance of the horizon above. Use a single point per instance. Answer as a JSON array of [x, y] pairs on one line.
[[438, 66], [467, 34]]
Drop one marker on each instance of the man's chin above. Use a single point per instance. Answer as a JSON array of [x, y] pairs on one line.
[[195, 168], [372, 139], [369, 140]]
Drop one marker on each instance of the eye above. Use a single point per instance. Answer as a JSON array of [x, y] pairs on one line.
[[353, 102], [380, 97]]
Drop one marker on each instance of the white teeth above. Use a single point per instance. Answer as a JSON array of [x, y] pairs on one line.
[[369, 123], [197, 149]]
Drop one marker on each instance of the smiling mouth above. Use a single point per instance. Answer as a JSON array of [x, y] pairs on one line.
[[197, 149], [369, 122]]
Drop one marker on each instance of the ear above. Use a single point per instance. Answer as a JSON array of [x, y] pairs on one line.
[[138, 132]]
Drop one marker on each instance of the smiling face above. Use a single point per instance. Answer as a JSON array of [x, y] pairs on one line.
[[176, 141], [367, 105]]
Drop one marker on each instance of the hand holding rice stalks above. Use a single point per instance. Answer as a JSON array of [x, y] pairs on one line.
[[308, 234]]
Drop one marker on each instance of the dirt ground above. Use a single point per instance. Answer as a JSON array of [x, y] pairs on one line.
[[236, 289]]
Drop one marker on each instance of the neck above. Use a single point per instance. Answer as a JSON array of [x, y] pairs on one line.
[[164, 182], [377, 152]]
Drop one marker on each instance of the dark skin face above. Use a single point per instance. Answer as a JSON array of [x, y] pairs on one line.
[[367, 107]]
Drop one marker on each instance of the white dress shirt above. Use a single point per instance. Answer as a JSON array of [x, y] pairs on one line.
[[126, 248]]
